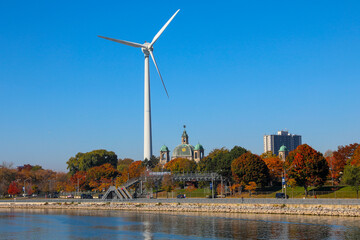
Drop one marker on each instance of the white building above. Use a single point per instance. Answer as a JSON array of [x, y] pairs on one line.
[[274, 142]]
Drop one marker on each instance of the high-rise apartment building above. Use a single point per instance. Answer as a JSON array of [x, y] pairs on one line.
[[274, 142]]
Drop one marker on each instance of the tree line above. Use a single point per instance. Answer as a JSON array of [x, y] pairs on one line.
[[240, 169]]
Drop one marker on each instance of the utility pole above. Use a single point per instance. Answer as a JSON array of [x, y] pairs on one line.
[[221, 186], [212, 185]]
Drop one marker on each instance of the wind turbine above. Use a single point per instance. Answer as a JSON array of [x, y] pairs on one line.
[[147, 49]]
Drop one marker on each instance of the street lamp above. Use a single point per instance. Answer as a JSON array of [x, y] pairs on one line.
[[29, 178], [283, 182], [78, 183]]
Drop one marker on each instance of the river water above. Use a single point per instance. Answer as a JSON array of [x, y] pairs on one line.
[[100, 224]]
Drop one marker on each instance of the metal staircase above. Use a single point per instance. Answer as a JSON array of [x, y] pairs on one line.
[[122, 192]]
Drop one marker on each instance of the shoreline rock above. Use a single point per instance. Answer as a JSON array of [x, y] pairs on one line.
[[288, 209]]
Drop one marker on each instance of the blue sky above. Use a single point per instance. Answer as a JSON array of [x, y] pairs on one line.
[[234, 70]]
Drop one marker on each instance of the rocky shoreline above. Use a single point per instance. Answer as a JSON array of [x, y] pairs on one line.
[[289, 209]]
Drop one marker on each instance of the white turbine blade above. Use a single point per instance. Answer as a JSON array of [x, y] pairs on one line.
[[153, 58], [162, 29], [124, 42]]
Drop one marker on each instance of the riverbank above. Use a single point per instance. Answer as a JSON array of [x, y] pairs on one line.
[[289, 209]]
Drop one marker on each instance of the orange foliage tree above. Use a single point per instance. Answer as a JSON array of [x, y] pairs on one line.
[[250, 168], [78, 180], [339, 159], [355, 159], [100, 177], [275, 166], [220, 189], [307, 166], [136, 169], [179, 165], [250, 187]]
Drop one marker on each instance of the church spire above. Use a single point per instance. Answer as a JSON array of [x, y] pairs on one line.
[[184, 137]]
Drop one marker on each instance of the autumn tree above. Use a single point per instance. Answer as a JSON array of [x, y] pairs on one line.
[[100, 177], [7, 175], [79, 181], [307, 166], [251, 187], [275, 166], [220, 189], [63, 183], [344, 153], [179, 165], [13, 188], [136, 169], [338, 159], [250, 168], [355, 158], [85, 161]]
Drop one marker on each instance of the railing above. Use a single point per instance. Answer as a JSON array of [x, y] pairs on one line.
[[199, 200]]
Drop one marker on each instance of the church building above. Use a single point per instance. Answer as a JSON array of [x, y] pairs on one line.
[[184, 150]]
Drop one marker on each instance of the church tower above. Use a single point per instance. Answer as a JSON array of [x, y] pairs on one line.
[[164, 155], [184, 137], [198, 152], [283, 153]]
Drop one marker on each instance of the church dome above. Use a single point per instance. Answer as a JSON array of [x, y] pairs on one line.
[[198, 147], [164, 149], [183, 151], [283, 148]]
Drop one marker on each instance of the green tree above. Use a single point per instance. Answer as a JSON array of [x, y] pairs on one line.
[[214, 161], [150, 164], [352, 177], [268, 154], [219, 161], [307, 166], [85, 161], [250, 168], [124, 164]]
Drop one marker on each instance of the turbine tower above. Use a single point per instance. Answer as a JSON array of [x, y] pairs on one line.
[[147, 49]]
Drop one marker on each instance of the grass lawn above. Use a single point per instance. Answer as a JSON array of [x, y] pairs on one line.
[[269, 192]]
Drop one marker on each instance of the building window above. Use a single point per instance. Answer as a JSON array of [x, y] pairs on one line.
[[196, 156]]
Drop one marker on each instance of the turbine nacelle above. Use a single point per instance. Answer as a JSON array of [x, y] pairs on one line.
[[147, 48]]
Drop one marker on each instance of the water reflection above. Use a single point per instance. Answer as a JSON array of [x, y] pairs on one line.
[[100, 224]]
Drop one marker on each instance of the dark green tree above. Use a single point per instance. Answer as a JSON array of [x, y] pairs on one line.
[[236, 152], [352, 177], [219, 161], [85, 161], [124, 164], [150, 164], [250, 168]]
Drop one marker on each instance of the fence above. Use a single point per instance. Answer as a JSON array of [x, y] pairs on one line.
[[245, 194]]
